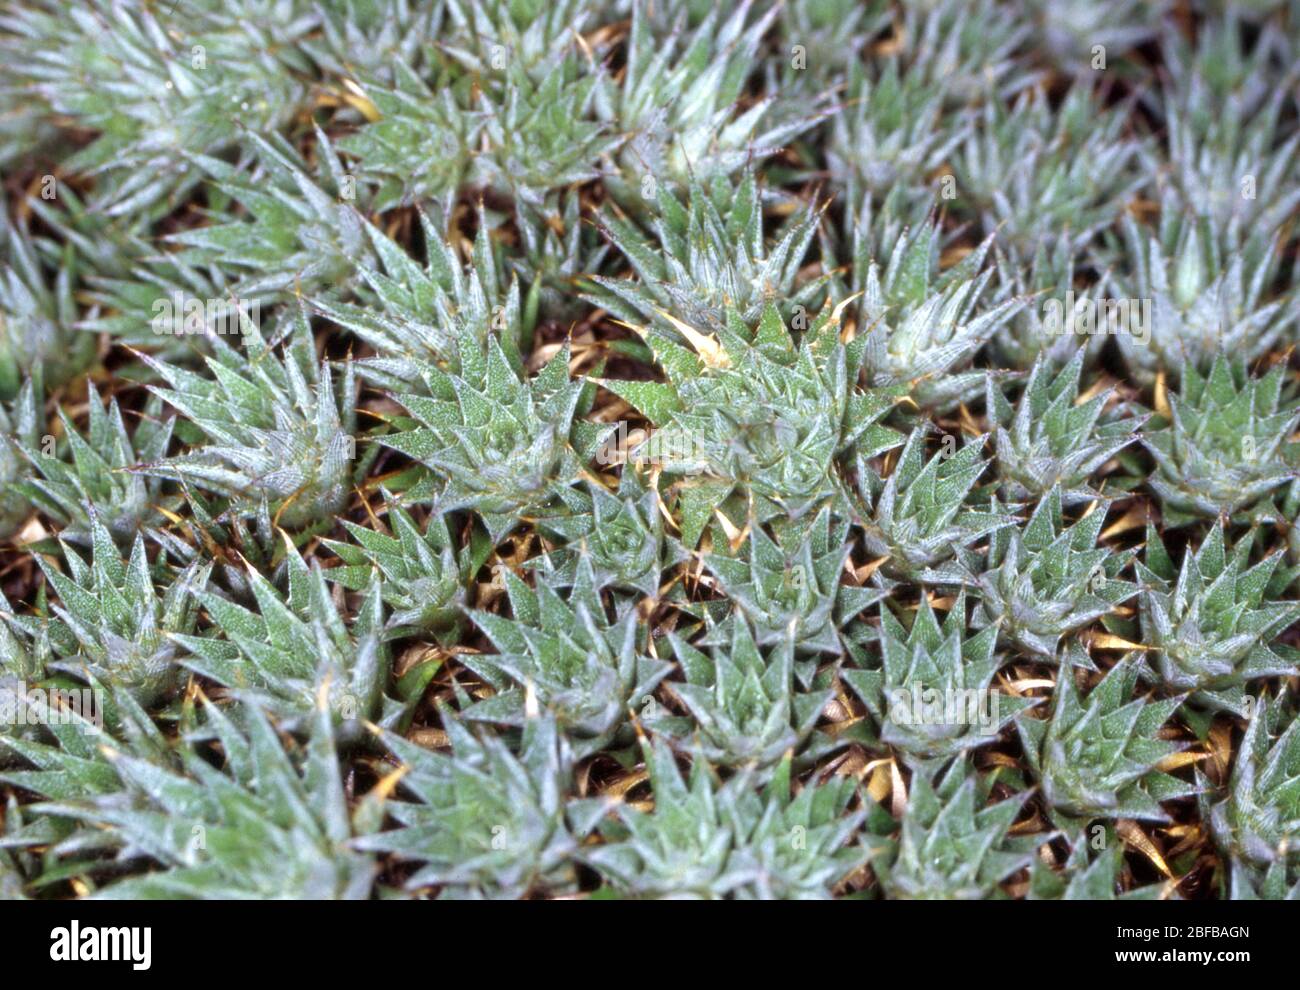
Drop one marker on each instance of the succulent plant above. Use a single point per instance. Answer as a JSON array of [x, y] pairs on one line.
[[419, 146], [417, 316], [801, 846], [1056, 324], [21, 426], [1032, 169], [949, 845], [1207, 296], [678, 100], [704, 254], [369, 38], [495, 443], [1095, 880], [619, 535], [969, 48], [792, 587], [744, 707], [278, 428], [681, 849], [558, 384], [303, 231], [541, 137], [270, 824], [485, 822], [524, 134], [1099, 756], [933, 694], [75, 757], [1047, 580], [281, 657], [704, 841], [1075, 35], [1219, 70], [111, 623], [559, 247], [758, 414], [159, 302], [37, 322], [1258, 821], [107, 247], [17, 866], [921, 324], [100, 478], [567, 656], [421, 576], [153, 95], [486, 37], [25, 648], [1225, 444], [1277, 883], [918, 517], [1051, 439], [890, 132], [1211, 623], [1229, 161], [823, 37], [232, 540]]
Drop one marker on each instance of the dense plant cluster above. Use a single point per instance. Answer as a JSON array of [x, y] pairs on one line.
[[637, 448]]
